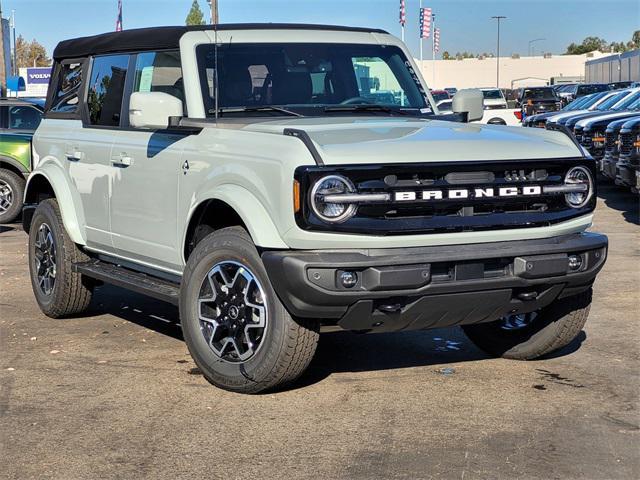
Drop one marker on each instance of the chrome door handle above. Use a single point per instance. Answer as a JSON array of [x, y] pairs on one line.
[[122, 160], [75, 156]]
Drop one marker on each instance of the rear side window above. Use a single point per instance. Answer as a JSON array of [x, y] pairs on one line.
[[66, 96], [159, 72], [24, 118], [106, 89]]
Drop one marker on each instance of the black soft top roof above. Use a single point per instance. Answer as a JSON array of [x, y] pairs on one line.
[[158, 38]]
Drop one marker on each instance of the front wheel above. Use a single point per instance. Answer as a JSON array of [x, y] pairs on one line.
[[532, 335], [238, 332]]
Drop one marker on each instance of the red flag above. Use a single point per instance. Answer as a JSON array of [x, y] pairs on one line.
[[119, 20], [425, 22]]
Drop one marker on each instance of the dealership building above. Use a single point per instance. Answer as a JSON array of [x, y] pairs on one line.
[[623, 67], [515, 71]]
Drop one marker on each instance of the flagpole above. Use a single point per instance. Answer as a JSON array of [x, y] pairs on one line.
[[433, 50], [421, 49]]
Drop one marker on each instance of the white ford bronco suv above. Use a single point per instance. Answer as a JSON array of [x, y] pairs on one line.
[[277, 181]]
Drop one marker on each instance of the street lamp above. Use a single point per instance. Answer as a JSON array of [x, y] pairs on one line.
[[213, 5], [531, 42], [498, 18]]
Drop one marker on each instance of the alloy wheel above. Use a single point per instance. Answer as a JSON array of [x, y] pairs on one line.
[[6, 196], [45, 259], [232, 311]]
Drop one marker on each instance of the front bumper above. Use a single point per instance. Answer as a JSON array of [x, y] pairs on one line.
[[627, 175], [430, 287]]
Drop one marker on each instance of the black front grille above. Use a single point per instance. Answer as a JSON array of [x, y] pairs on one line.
[[626, 143], [610, 141], [418, 215]]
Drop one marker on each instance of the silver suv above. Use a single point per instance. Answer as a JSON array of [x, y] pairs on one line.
[[276, 181]]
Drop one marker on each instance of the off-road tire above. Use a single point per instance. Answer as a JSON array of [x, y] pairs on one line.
[[17, 184], [555, 327], [71, 292], [288, 344]]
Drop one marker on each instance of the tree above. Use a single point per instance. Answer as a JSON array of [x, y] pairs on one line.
[[30, 54], [446, 56], [589, 44], [195, 16]]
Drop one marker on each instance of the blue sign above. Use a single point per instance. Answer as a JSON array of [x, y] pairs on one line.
[[38, 75], [16, 84]]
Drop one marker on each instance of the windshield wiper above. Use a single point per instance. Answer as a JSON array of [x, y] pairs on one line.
[[261, 108], [364, 108]]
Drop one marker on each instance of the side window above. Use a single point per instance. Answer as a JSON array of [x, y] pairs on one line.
[[159, 72], [24, 118], [106, 89], [66, 96]]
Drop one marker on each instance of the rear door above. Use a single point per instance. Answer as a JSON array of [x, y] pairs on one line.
[[146, 173]]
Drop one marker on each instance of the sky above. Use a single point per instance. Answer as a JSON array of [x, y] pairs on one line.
[[464, 24]]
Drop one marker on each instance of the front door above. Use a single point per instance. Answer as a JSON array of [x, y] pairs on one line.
[[148, 167]]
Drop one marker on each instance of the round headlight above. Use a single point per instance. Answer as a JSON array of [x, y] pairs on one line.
[[329, 211], [579, 176]]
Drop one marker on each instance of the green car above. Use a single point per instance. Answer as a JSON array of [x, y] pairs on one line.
[[19, 119]]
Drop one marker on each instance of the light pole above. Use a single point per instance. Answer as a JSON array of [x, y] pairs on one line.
[[531, 42], [498, 18], [213, 5]]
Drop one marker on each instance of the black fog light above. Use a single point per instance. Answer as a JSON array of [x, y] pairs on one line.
[[348, 279], [575, 262]]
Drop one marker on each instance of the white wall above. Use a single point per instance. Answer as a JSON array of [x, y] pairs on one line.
[[472, 72]]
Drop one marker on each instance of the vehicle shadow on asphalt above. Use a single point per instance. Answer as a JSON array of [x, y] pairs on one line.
[[620, 199], [338, 352]]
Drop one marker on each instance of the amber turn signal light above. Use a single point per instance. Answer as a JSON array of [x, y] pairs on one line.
[[296, 196]]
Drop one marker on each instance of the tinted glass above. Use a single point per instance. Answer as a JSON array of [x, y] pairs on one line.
[[439, 96], [492, 94], [24, 118], [159, 72], [539, 94], [593, 88], [308, 76], [65, 99], [612, 100], [106, 88], [628, 102]]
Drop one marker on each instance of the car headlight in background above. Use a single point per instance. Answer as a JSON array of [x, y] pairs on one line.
[[579, 176], [637, 143], [332, 212]]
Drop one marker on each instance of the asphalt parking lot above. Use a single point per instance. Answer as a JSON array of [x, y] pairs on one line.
[[114, 394]]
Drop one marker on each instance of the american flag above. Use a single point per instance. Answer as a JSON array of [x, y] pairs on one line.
[[436, 40], [403, 13], [425, 22], [119, 19]]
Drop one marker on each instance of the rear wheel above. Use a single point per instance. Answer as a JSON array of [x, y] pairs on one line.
[[237, 330], [11, 193], [532, 335], [58, 290]]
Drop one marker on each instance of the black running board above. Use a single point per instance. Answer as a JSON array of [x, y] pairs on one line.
[[134, 281]]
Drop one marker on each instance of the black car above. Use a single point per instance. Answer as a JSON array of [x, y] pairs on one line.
[[619, 85], [583, 103], [628, 167], [582, 89], [612, 147], [538, 100]]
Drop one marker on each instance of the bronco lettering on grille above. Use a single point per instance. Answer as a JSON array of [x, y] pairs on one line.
[[466, 193]]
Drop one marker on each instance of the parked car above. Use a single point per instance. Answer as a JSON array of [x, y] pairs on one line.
[[19, 118], [628, 167], [536, 100], [281, 203], [583, 104], [493, 98], [620, 85], [583, 89], [440, 96], [590, 132], [451, 91], [614, 101], [564, 92], [608, 164]]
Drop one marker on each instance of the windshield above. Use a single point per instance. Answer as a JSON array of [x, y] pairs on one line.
[[578, 104], [610, 102], [539, 94], [629, 102], [492, 94], [309, 78], [594, 88]]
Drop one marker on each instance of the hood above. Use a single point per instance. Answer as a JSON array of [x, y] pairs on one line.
[[632, 123], [556, 116], [350, 140], [604, 120], [616, 125]]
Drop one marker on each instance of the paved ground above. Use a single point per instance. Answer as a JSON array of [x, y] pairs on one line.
[[115, 394]]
